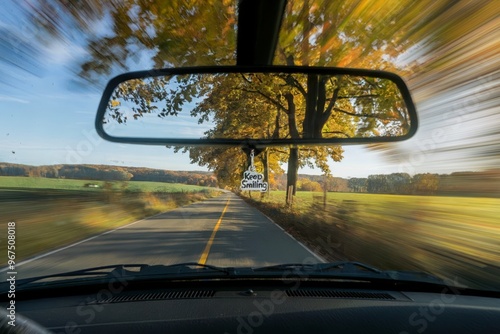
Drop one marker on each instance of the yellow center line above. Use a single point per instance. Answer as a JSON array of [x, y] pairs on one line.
[[204, 255]]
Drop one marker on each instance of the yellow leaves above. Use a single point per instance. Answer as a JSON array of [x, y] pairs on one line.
[[229, 26], [331, 45], [115, 103], [363, 6], [350, 58]]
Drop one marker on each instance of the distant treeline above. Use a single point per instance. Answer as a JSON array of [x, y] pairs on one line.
[[109, 173], [485, 183]]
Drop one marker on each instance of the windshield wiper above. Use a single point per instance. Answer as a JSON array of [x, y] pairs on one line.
[[125, 270], [345, 270], [342, 266], [348, 269]]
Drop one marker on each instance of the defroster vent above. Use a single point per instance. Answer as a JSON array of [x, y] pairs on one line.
[[177, 294], [338, 294]]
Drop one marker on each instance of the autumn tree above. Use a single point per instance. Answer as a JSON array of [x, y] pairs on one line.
[[426, 184], [357, 184], [399, 183]]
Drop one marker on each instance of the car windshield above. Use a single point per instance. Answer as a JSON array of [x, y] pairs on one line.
[[70, 200]]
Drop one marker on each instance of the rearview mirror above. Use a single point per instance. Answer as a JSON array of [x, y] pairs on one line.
[[259, 106]]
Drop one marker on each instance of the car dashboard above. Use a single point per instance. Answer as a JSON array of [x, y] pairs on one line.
[[257, 306]]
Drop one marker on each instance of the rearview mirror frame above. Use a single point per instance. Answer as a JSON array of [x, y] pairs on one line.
[[113, 83]]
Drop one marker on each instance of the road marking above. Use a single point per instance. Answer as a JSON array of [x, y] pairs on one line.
[[204, 255], [77, 243]]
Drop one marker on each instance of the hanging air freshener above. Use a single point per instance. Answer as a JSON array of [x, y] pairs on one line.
[[253, 181]]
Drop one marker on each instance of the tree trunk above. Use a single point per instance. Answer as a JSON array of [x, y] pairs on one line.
[[293, 169], [265, 161]]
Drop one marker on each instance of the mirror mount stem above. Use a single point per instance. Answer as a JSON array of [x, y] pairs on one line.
[[250, 150], [259, 22]]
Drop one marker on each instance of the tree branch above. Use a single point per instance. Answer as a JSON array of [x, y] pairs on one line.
[[292, 122], [364, 115], [338, 132], [328, 112], [290, 80], [355, 97], [278, 151], [273, 101]]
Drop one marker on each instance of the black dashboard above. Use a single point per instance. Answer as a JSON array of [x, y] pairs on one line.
[[258, 306]]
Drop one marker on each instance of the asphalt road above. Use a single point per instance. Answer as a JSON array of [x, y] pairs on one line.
[[222, 231]]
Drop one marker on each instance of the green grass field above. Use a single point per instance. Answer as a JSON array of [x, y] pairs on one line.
[[449, 236], [69, 184], [50, 213]]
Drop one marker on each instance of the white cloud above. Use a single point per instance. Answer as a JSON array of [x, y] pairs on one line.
[[12, 99], [63, 52]]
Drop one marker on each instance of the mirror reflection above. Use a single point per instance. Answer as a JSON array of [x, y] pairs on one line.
[[257, 106]]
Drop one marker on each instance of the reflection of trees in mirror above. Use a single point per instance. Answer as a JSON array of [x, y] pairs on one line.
[[269, 106], [138, 97]]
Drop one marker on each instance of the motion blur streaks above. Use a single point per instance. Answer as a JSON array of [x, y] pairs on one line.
[[457, 87], [448, 52]]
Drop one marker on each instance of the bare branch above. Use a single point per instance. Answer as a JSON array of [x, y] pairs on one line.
[[365, 115], [273, 101], [355, 97], [338, 132]]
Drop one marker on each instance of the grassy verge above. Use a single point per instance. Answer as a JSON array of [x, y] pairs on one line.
[[51, 218], [21, 182], [447, 236]]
